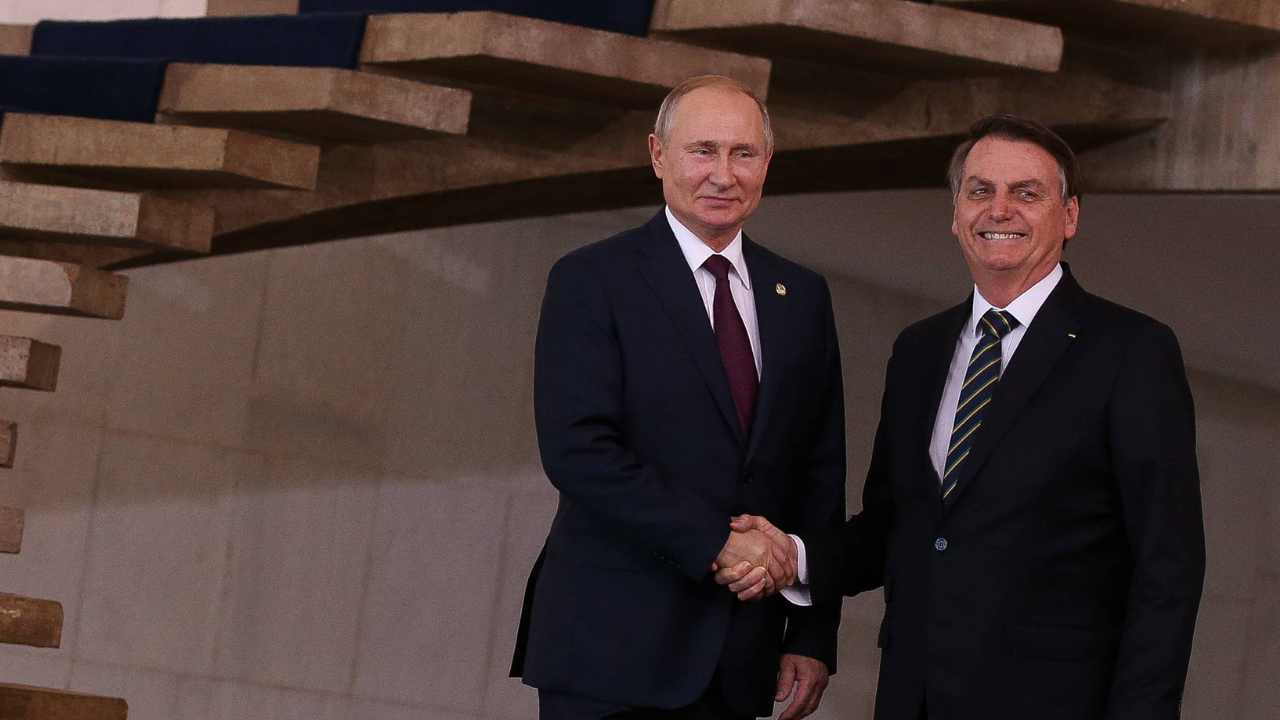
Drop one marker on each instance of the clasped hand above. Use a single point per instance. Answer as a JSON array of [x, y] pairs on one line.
[[758, 560]]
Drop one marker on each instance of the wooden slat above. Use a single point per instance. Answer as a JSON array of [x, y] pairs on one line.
[[8, 450], [11, 524], [29, 364], [26, 621], [61, 288], [887, 35], [1175, 23], [15, 39], [251, 7], [145, 155], [20, 702], [323, 103], [486, 50], [50, 213]]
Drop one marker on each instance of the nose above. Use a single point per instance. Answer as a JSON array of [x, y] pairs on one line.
[[721, 172], [1001, 208]]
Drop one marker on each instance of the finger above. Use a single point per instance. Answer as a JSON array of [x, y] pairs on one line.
[[756, 593], [742, 523], [785, 562], [737, 573], [753, 577], [786, 679], [797, 708]]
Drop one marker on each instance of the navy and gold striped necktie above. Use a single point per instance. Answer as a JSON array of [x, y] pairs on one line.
[[979, 385]]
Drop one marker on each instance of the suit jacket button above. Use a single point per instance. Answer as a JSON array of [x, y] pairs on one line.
[[940, 544]]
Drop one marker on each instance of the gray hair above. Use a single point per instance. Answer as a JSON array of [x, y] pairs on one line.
[[666, 114], [1011, 127]]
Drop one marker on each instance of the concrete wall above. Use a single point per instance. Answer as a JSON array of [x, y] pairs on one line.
[[303, 484], [29, 11]]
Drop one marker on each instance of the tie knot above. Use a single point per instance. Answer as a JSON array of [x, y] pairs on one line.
[[718, 266], [997, 323]]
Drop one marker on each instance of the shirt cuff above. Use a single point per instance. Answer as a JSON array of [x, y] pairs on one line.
[[798, 594]]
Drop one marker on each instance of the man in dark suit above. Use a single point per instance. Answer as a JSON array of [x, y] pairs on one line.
[[683, 375], [1032, 508]]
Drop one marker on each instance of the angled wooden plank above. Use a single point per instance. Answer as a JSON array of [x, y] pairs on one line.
[[21, 702], [486, 50], [323, 103], [888, 35], [145, 155], [61, 289], [91, 256], [1173, 23], [251, 7], [27, 621], [11, 524], [8, 450], [51, 213], [29, 364], [15, 39]]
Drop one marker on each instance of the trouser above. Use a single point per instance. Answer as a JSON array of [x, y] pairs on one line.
[[710, 706]]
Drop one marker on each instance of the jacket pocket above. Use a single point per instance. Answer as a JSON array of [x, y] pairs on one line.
[[1056, 642]]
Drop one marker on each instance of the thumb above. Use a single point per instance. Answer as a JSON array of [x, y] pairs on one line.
[[742, 523], [786, 681]]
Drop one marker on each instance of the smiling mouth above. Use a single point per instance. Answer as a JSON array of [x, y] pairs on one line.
[[1001, 236]]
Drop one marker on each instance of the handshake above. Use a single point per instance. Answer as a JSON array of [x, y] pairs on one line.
[[758, 560]]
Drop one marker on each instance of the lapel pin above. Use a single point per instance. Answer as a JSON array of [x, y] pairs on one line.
[[1071, 335], [782, 289]]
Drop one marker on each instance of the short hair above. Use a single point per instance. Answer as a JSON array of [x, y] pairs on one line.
[[666, 113], [1012, 127]]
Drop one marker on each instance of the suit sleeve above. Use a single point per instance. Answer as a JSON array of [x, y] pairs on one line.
[[849, 558], [1152, 434], [813, 631], [581, 426]]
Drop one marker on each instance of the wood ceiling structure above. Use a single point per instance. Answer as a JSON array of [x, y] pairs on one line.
[[478, 116]]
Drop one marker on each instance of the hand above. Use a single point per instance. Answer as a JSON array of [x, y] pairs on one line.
[[747, 549], [809, 677], [756, 580]]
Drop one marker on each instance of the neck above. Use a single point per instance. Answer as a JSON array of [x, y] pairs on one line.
[[1002, 288]]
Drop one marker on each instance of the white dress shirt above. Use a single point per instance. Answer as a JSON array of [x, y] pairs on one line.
[[696, 253], [1024, 308]]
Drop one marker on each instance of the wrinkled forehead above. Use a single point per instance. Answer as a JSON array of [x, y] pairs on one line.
[[1006, 161], [718, 113]]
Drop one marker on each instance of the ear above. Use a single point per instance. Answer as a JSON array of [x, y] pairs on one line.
[[655, 154], [1073, 218]]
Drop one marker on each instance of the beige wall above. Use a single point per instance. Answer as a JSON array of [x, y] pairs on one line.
[[303, 484], [29, 11]]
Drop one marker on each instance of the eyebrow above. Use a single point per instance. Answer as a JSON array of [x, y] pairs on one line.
[[711, 144], [1029, 183]]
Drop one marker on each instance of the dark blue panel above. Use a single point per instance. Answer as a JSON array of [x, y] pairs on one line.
[[623, 16], [321, 40], [109, 89]]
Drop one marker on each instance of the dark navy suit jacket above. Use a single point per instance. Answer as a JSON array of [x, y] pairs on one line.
[[1061, 578], [638, 432]]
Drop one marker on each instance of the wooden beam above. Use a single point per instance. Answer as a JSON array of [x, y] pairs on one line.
[[492, 50], [251, 7], [90, 256], [147, 156], [20, 702], [1172, 23], [887, 35], [322, 103], [25, 621], [8, 450], [16, 39], [50, 213], [29, 364], [11, 523], [61, 289]]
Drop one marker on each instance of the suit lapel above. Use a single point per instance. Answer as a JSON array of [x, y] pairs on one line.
[[771, 319], [1047, 338], [937, 363], [667, 273]]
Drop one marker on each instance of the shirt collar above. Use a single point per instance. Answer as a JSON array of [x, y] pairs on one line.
[[696, 252], [1024, 307]]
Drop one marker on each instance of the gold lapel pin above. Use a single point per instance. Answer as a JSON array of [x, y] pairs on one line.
[[782, 289], [1071, 335]]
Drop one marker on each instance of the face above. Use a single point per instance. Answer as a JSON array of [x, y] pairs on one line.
[[1009, 216], [713, 164]]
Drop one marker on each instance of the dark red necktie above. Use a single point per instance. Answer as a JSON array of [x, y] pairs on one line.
[[735, 345]]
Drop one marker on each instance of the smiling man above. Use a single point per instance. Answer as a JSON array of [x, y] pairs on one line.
[[1032, 508], [684, 375]]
